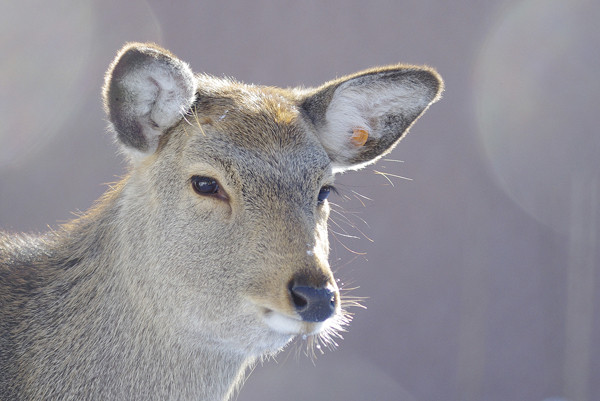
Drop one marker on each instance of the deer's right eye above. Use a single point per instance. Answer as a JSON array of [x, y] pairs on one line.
[[207, 186]]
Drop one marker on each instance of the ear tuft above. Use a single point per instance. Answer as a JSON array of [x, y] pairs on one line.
[[146, 91], [361, 117]]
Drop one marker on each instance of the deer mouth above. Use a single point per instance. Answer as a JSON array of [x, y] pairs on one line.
[[289, 325]]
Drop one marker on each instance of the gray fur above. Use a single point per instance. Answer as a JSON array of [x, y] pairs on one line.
[[161, 293]]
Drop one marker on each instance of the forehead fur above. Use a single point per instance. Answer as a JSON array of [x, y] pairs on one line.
[[253, 116]]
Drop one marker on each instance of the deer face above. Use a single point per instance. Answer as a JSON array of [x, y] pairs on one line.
[[232, 180], [243, 190]]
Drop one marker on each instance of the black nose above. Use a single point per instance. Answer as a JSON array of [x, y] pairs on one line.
[[313, 304]]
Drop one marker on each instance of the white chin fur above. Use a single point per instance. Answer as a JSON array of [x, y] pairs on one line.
[[287, 325]]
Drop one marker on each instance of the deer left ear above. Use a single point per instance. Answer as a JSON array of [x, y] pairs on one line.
[[361, 117]]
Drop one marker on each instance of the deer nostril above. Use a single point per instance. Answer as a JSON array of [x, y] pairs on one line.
[[299, 301], [313, 304]]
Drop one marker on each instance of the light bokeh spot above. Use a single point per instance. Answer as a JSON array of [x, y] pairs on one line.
[[50, 65], [532, 72], [39, 71]]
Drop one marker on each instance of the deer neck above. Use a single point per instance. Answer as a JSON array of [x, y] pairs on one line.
[[132, 336]]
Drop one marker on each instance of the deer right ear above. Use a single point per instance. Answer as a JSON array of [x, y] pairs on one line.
[[147, 90]]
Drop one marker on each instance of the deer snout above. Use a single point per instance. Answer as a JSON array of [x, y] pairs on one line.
[[313, 304]]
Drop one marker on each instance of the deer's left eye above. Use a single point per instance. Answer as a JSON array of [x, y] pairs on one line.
[[324, 193]]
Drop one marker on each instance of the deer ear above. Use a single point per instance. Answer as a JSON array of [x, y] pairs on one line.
[[361, 117], [146, 91]]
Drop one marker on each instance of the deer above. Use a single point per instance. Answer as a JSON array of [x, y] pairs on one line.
[[212, 251]]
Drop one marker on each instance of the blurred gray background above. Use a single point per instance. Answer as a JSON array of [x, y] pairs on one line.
[[481, 271]]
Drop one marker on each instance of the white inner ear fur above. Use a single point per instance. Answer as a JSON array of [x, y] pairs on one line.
[[159, 97], [359, 106]]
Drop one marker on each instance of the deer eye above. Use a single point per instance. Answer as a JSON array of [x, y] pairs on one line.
[[205, 185], [323, 194]]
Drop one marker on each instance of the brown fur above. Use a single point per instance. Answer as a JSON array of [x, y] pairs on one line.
[[159, 292]]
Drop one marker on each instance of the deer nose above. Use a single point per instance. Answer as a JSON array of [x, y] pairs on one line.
[[313, 304]]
